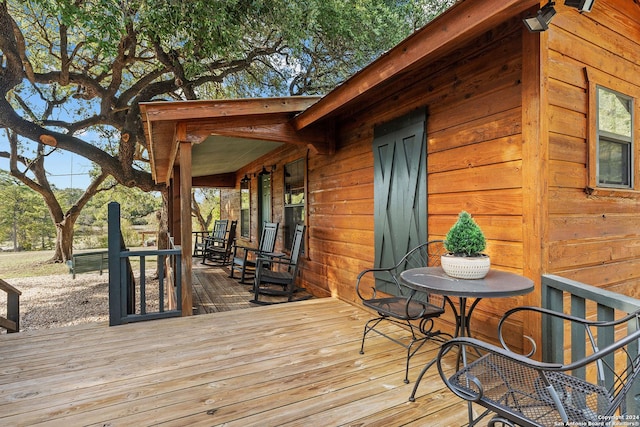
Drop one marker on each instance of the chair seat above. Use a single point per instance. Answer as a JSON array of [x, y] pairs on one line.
[[513, 389], [246, 264], [276, 277], [396, 307]]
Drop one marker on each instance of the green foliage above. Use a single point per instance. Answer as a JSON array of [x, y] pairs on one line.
[[79, 69], [465, 238], [25, 223], [24, 219], [205, 208]]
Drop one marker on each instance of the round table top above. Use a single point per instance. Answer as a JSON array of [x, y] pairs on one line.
[[495, 284]]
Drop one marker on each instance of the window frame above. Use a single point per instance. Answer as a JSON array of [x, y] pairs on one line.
[[288, 229], [597, 80], [245, 212]]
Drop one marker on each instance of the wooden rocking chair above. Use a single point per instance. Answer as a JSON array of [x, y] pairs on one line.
[[220, 254], [217, 236], [244, 258], [276, 276]]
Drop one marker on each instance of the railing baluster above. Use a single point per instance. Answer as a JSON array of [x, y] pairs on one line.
[[160, 267], [143, 288], [554, 289]]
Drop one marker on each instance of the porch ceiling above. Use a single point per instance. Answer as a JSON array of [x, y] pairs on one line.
[[223, 154], [226, 134]]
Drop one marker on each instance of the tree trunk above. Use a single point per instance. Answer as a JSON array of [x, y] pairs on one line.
[[163, 222], [64, 241]]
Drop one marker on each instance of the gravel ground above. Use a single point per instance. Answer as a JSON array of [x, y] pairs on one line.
[[58, 301]]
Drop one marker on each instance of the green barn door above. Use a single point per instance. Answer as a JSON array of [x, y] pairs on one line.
[[400, 187]]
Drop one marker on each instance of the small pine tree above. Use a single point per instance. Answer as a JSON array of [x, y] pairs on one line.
[[465, 238]]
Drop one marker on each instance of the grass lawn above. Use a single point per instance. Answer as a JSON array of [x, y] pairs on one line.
[[29, 264], [34, 264]]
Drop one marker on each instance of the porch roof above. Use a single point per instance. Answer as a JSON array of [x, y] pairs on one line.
[[229, 134], [226, 134]]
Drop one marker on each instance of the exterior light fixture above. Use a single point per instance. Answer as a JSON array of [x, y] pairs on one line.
[[264, 170], [581, 5], [245, 179], [541, 21]]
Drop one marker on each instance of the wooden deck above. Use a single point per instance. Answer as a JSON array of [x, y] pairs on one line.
[[295, 364]]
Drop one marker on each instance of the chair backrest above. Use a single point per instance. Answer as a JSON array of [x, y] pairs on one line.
[[268, 238], [231, 237], [425, 255], [219, 229], [296, 247]]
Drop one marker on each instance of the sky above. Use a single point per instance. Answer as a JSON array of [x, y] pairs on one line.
[[66, 170]]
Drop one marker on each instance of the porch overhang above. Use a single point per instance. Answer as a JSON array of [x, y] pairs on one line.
[[225, 134]]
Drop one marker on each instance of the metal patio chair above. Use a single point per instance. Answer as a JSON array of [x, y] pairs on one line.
[[276, 275], [381, 290], [217, 237], [244, 258], [594, 389], [220, 254]]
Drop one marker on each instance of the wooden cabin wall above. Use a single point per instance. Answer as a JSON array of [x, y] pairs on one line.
[[474, 164], [473, 98], [592, 239]]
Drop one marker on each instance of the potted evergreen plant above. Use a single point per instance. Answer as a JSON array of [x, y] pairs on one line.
[[464, 243]]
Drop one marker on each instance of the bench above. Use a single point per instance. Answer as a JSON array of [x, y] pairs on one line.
[[86, 262]]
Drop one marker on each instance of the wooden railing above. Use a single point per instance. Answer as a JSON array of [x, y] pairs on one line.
[[12, 322], [123, 290], [582, 300]]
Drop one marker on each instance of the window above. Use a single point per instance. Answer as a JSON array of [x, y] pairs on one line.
[[615, 139], [245, 212], [613, 119], [294, 199]]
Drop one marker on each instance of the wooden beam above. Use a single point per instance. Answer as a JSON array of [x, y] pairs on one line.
[[216, 181], [267, 127], [278, 132], [193, 110]]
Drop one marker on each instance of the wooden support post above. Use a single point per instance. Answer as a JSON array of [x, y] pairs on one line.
[[535, 169], [185, 226]]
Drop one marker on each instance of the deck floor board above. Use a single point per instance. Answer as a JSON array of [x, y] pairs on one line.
[[295, 364]]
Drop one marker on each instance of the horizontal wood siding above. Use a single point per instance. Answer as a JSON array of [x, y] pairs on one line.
[[595, 240], [474, 163]]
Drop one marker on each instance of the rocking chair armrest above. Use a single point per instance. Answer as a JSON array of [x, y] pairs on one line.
[[245, 249], [276, 259], [272, 255]]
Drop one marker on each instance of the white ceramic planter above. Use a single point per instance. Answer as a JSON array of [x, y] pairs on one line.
[[465, 267]]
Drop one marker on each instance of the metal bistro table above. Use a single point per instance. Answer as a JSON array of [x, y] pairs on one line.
[[434, 280]]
